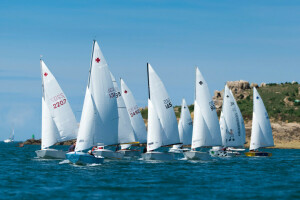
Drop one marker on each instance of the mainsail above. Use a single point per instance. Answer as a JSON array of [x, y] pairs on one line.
[[125, 130], [58, 120], [232, 131], [134, 113], [261, 135], [99, 120], [206, 130], [185, 125], [161, 112]]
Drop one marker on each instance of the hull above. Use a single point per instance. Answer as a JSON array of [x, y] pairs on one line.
[[175, 150], [109, 154], [221, 153], [8, 141], [258, 154], [51, 154], [130, 153], [80, 158], [158, 156], [197, 155]]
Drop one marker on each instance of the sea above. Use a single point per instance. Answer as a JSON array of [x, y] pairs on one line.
[[23, 176]]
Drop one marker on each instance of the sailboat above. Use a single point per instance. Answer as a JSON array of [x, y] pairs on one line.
[[162, 122], [185, 128], [11, 137], [99, 119], [136, 121], [232, 128], [206, 130], [126, 134], [58, 121], [261, 135]]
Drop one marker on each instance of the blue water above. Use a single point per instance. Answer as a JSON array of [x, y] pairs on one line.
[[22, 176]]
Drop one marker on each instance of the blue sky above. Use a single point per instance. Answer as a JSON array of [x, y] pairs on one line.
[[254, 40]]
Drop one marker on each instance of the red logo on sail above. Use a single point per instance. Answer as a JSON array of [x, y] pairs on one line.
[[97, 60], [125, 91], [45, 74]]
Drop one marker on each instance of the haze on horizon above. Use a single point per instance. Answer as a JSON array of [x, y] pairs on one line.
[[256, 41]]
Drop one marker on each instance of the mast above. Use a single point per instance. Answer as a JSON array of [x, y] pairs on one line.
[[195, 84], [90, 71], [148, 80], [43, 90]]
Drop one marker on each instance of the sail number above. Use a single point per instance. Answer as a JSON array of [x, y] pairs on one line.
[[60, 103], [168, 103], [111, 92], [118, 94], [58, 97], [134, 111], [212, 105]]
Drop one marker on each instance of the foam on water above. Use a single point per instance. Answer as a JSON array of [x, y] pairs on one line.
[[64, 162]]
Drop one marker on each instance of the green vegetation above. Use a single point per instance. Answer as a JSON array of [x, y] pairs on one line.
[[144, 113], [281, 101]]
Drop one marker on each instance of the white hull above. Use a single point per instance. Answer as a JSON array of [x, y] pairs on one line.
[[175, 150], [158, 156], [108, 154], [130, 153], [51, 154], [196, 155], [8, 141]]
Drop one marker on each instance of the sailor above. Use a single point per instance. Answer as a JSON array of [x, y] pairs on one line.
[[91, 153], [145, 150], [72, 147], [117, 148]]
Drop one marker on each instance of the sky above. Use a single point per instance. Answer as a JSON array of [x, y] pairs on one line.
[[253, 40]]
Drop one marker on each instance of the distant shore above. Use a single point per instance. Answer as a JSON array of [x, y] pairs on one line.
[[278, 144]]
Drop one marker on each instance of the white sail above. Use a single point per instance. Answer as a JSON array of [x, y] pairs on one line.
[[223, 128], [201, 134], [155, 131], [58, 105], [125, 130], [164, 108], [99, 120], [88, 123], [50, 134], [134, 113], [12, 135], [261, 135], [242, 123], [185, 125], [206, 131], [233, 135]]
